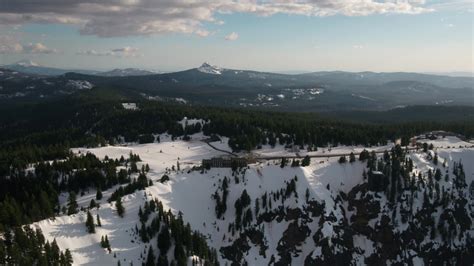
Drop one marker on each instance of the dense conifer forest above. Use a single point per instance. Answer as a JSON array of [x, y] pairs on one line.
[[44, 131]]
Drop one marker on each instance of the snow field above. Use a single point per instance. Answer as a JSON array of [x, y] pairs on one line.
[[190, 192]]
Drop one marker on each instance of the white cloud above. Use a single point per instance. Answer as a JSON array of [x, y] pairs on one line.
[[9, 45], [232, 37], [358, 46], [11, 49], [38, 48], [93, 52], [202, 33], [109, 18], [126, 51]]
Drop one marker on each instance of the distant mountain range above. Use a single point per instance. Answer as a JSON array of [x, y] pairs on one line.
[[30, 67], [453, 74], [213, 85], [125, 72]]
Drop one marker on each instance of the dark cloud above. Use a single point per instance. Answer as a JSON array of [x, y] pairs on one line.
[[108, 18]]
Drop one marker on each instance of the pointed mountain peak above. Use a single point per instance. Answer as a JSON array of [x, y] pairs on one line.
[[210, 69]]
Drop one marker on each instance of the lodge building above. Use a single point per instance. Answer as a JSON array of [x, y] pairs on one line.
[[218, 162]]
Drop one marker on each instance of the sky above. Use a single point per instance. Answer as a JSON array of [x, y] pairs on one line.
[[265, 35]]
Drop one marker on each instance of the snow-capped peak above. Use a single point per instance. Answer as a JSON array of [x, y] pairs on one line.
[[27, 63], [210, 69]]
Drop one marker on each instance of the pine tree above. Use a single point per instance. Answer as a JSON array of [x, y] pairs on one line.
[[257, 206], [55, 252], [162, 260], [306, 161], [295, 163], [134, 167], [342, 159], [68, 257], [150, 260], [45, 205], [352, 157], [3, 253], [90, 223], [119, 206], [107, 243], [92, 204], [72, 203], [98, 220], [248, 217], [425, 147], [364, 155], [180, 255], [164, 240], [98, 195], [437, 175], [104, 243], [62, 259]]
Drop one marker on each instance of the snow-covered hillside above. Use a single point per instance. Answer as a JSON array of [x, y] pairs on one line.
[[296, 215]]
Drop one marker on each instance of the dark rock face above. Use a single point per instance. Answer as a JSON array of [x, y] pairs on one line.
[[235, 252], [258, 238], [293, 237], [314, 208]]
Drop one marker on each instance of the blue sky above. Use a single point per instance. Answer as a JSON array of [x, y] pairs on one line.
[[430, 37]]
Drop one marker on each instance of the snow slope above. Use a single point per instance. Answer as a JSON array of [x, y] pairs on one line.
[[189, 192], [70, 232]]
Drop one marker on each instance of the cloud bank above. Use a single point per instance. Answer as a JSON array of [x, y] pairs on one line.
[[9, 45], [117, 52], [111, 18]]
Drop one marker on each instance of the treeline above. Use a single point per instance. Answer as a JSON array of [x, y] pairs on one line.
[[248, 130], [28, 195], [93, 119], [25, 246], [139, 184], [170, 230]]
